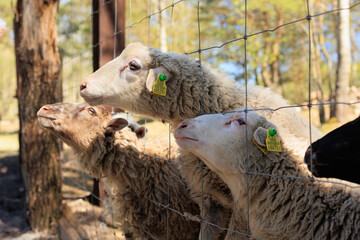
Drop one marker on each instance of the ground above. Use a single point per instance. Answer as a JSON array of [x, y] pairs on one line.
[[12, 221]]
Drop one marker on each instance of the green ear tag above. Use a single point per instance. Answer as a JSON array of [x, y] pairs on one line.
[[159, 87], [272, 142]]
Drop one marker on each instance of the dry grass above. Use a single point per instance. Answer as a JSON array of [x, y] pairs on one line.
[[156, 129]]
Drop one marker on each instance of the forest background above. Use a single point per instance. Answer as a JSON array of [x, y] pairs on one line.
[[277, 59]]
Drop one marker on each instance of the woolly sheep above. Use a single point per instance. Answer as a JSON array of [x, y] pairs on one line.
[[136, 180], [337, 153], [279, 207], [133, 125], [127, 81]]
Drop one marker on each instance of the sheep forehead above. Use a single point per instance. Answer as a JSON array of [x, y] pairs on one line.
[[252, 117], [135, 50]]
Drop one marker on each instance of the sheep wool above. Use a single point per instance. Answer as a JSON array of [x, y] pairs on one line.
[[284, 203], [192, 89], [138, 183]]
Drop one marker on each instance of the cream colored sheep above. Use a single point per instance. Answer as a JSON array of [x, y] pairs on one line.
[[279, 207], [127, 81], [137, 181]]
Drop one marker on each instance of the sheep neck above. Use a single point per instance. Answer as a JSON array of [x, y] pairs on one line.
[[274, 201], [116, 157], [190, 93]]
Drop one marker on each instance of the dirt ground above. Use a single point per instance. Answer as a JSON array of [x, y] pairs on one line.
[[81, 220], [12, 198]]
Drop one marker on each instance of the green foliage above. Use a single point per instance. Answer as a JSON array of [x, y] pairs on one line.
[[75, 45], [281, 53], [8, 109]]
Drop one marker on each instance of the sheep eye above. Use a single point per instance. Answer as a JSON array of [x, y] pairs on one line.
[[92, 111], [241, 121], [132, 128], [134, 66]]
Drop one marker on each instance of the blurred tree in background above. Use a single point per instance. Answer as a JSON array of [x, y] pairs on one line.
[[277, 59], [8, 103]]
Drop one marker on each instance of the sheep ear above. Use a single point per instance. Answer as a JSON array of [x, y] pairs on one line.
[[260, 136], [140, 133], [152, 75], [116, 124]]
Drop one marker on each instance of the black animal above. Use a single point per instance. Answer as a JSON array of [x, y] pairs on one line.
[[337, 154]]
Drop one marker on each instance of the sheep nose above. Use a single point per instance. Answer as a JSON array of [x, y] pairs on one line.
[[83, 85], [45, 108], [183, 124]]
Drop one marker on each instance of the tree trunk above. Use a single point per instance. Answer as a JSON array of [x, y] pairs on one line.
[[355, 57], [108, 34], [275, 65], [162, 26], [344, 62], [316, 73], [38, 84]]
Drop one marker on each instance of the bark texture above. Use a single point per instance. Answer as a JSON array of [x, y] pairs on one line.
[[38, 84], [344, 62]]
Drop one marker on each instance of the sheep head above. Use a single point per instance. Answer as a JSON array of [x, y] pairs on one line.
[[78, 124], [117, 82], [128, 80], [221, 140]]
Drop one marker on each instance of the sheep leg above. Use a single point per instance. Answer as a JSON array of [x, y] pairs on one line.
[[216, 214]]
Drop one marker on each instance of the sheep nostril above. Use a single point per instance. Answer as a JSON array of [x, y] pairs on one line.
[[45, 108], [182, 125], [82, 86]]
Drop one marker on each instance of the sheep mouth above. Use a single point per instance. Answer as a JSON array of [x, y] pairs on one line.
[[46, 121], [46, 116], [183, 137]]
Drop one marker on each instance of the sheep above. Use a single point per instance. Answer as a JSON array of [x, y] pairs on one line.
[[138, 182], [337, 153], [192, 89], [280, 207], [133, 125]]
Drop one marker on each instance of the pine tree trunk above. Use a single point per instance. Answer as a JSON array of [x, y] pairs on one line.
[[344, 62], [38, 84], [162, 26]]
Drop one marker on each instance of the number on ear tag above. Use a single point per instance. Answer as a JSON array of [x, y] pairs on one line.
[[272, 142], [159, 87]]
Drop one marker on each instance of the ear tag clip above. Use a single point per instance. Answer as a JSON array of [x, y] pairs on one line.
[[263, 149], [159, 87], [272, 142]]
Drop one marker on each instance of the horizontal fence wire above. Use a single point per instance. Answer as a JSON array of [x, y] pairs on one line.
[[274, 29], [246, 37]]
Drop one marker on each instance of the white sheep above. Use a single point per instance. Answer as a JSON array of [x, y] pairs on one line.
[[138, 182], [132, 124], [279, 207], [192, 89]]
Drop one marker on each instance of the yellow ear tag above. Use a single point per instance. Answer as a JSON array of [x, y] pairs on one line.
[[263, 149], [159, 87], [272, 142]]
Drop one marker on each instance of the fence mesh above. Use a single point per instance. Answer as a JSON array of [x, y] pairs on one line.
[[144, 18]]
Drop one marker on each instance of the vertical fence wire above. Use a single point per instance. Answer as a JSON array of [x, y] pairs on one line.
[[201, 112], [308, 18], [246, 127]]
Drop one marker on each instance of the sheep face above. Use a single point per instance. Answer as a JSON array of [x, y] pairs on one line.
[[117, 82], [220, 139], [78, 124], [213, 137]]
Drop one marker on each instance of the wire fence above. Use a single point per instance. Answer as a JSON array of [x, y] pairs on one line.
[[199, 49]]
